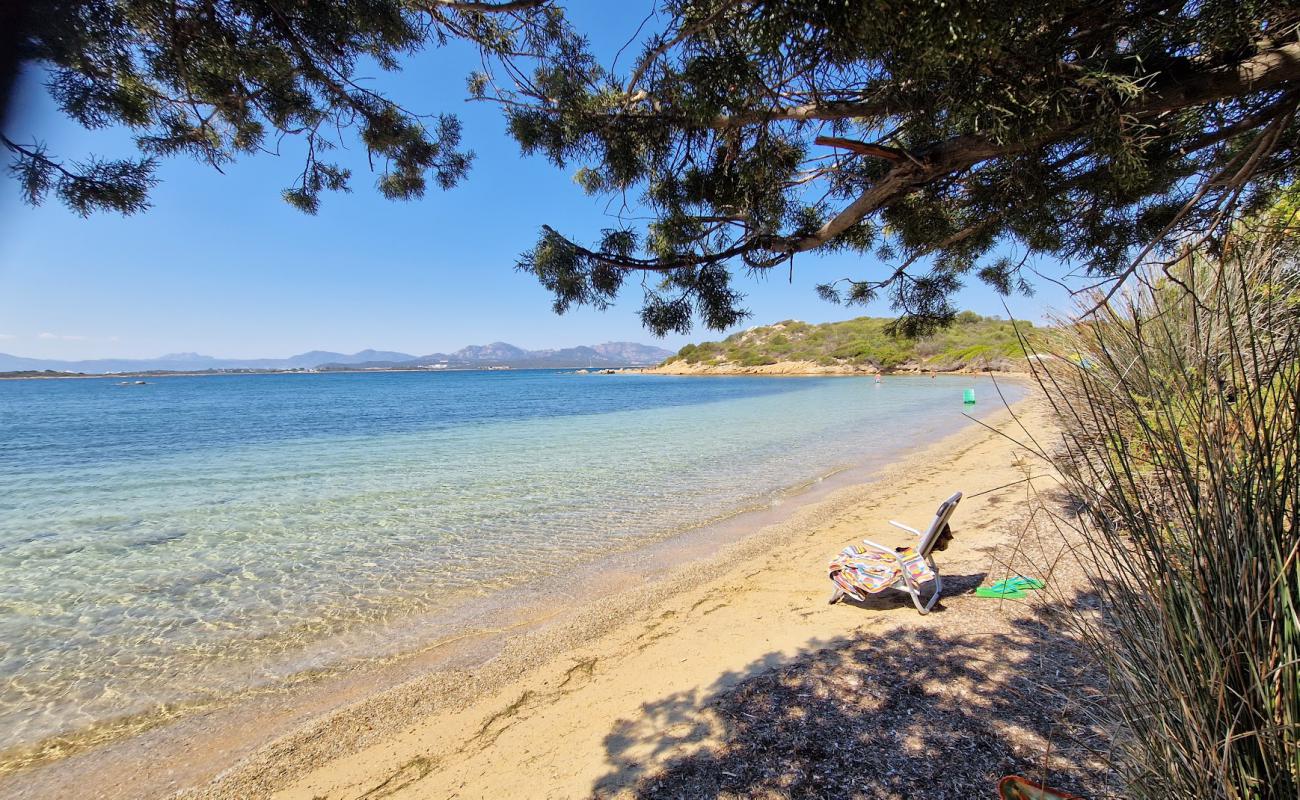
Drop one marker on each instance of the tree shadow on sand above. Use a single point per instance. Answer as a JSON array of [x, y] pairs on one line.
[[907, 712], [953, 586]]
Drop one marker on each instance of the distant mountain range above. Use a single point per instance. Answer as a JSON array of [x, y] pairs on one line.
[[497, 354], [501, 354]]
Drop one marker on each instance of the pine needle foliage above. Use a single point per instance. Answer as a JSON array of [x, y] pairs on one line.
[[220, 80], [952, 140]]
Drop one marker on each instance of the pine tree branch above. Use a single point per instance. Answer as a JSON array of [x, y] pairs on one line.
[[864, 148], [1268, 70], [482, 8], [679, 261], [657, 52], [1272, 66]]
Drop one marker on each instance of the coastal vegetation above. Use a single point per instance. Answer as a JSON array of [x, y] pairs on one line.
[[973, 342], [1180, 414]]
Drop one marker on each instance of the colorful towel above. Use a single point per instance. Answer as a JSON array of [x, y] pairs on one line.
[[860, 571]]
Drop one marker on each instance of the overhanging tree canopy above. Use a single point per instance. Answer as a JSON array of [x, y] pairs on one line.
[[216, 79], [928, 132]]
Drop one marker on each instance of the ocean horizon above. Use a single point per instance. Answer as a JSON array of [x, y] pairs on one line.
[[165, 544]]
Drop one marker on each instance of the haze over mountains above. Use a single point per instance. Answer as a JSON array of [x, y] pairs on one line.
[[496, 354]]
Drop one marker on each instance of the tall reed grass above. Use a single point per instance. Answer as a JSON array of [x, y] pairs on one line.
[[1179, 404]]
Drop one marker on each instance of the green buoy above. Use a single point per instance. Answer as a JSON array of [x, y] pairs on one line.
[[968, 397]]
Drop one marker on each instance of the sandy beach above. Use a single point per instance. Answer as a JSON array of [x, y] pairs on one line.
[[604, 698], [605, 713]]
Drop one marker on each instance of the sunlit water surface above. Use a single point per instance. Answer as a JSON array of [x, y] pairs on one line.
[[195, 536]]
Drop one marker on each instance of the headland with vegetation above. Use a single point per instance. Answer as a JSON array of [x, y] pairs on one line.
[[973, 343]]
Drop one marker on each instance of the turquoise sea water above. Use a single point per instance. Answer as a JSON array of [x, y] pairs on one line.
[[167, 542]]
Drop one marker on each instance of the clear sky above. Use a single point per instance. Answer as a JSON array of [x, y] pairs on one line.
[[221, 265]]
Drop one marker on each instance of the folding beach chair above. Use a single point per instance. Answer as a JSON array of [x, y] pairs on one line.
[[858, 571]]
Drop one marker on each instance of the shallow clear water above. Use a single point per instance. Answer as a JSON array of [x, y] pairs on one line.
[[194, 536]]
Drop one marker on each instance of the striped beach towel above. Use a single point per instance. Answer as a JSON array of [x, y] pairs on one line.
[[859, 571]]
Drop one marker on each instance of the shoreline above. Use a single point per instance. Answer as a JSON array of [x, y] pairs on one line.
[[796, 369], [445, 674], [253, 372], [678, 624], [775, 370]]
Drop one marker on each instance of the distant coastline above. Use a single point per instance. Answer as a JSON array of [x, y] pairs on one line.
[[56, 375], [680, 368], [497, 354]]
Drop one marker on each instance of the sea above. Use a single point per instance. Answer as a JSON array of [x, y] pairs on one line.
[[167, 543]]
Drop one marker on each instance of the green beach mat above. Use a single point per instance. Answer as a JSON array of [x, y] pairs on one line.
[[989, 591], [1010, 587]]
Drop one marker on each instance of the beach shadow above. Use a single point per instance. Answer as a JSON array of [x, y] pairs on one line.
[[953, 585], [1070, 504], [910, 712]]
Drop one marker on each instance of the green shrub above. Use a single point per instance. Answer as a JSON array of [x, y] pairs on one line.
[[889, 357], [751, 358], [854, 350], [1181, 442], [865, 340]]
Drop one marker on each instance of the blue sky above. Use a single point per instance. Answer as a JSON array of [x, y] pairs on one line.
[[221, 265]]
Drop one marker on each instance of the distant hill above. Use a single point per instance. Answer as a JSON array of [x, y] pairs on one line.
[[497, 354], [315, 358], [863, 344], [631, 352], [191, 362], [502, 354]]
